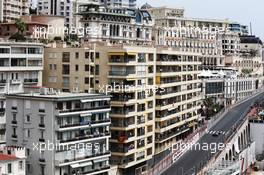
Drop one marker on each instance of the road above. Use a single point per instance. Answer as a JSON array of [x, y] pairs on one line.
[[192, 160]]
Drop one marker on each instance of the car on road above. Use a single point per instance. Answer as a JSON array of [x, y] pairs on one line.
[[216, 134]]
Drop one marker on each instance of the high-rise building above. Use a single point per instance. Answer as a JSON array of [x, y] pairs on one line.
[[59, 8], [63, 133], [143, 82], [11, 10], [115, 25], [21, 66]]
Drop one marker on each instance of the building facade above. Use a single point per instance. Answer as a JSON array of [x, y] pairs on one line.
[[115, 25], [76, 124], [144, 82], [12, 161], [11, 10], [120, 3], [58, 8], [21, 66]]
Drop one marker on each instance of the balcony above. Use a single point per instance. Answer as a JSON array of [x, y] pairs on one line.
[[14, 136], [2, 111], [15, 81], [84, 124], [41, 125], [2, 82], [14, 122], [121, 73], [85, 137], [30, 81], [41, 140], [81, 158], [42, 160], [106, 167], [106, 106]]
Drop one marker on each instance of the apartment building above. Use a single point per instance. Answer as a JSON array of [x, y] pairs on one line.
[[250, 59], [12, 160], [57, 8], [76, 124], [11, 10], [119, 3], [115, 25], [189, 34], [143, 82], [178, 97], [227, 86], [21, 66], [70, 68]]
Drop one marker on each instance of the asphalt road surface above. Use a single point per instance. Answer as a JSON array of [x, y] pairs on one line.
[[192, 160]]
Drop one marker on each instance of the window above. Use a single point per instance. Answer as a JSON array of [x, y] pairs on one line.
[[87, 68], [42, 120], [66, 57], [14, 117], [86, 80], [97, 71], [76, 67], [28, 118], [97, 55], [27, 104], [87, 55], [28, 152], [76, 55], [21, 165], [9, 168], [28, 133], [14, 131], [66, 69]]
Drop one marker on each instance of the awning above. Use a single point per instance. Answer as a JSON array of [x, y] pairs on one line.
[[86, 114], [132, 53], [77, 165], [91, 100], [101, 160], [116, 53]]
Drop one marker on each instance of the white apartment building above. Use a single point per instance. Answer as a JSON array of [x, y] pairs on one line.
[[12, 161], [76, 124], [20, 67], [57, 7], [227, 87], [115, 25], [11, 10], [119, 3], [250, 59]]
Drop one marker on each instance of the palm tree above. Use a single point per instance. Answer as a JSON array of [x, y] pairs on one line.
[[20, 25]]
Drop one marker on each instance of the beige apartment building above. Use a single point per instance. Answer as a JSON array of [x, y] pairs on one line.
[[13, 9], [155, 94]]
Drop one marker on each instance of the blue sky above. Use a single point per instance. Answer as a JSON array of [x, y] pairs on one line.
[[243, 11]]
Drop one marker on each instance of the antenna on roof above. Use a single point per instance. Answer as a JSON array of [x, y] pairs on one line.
[[251, 29]]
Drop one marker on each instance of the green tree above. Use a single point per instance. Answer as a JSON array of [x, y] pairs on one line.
[[20, 25]]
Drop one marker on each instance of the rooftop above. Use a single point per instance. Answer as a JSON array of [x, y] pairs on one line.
[[6, 157], [59, 95]]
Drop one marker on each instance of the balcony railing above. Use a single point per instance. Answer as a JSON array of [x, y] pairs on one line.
[[84, 109], [121, 73], [84, 123], [84, 137], [97, 169], [84, 157]]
